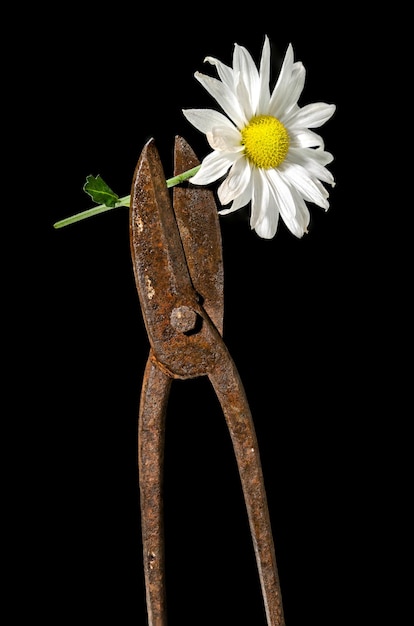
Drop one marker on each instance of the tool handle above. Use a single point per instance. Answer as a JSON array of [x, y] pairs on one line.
[[151, 438], [231, 394]]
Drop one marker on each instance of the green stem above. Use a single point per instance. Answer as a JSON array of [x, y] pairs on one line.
[[125, 201], [176, 180], [100, 208]]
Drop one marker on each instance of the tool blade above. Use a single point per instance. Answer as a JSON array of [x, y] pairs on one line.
[[198, 222], [159, 263]]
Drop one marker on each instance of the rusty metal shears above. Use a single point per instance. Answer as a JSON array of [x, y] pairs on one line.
[[176, 252]]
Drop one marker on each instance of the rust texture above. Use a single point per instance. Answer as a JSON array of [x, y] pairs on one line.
[[198, 222], [151, 434], [177, 259]]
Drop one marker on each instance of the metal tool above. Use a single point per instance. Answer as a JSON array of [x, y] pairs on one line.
[[176, 252]]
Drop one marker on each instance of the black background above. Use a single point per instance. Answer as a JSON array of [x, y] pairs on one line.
[[302, 320]]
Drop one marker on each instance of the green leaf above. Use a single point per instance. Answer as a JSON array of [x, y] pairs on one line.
[[99, 191]]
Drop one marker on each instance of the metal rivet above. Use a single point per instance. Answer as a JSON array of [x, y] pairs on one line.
[[183, 319]]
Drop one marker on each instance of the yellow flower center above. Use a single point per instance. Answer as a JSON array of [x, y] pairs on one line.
[[266, 141]]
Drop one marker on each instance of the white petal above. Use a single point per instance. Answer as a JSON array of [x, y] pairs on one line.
[[304, 138], [225, 72], [321, 156], [264, 76], [311, 190], [225, 97], [313, 161], [205, 119], [287, 101], [260, 197], [302, 215], [231, 209], [267, 228], [248, 85], [311, 115], [240, 201], [291, 95], [212, 167], [265, 214], [226, 139], [285, 202], [236, 182], [282, 82]]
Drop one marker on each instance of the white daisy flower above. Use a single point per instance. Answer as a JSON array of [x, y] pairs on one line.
[[263, 142]]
